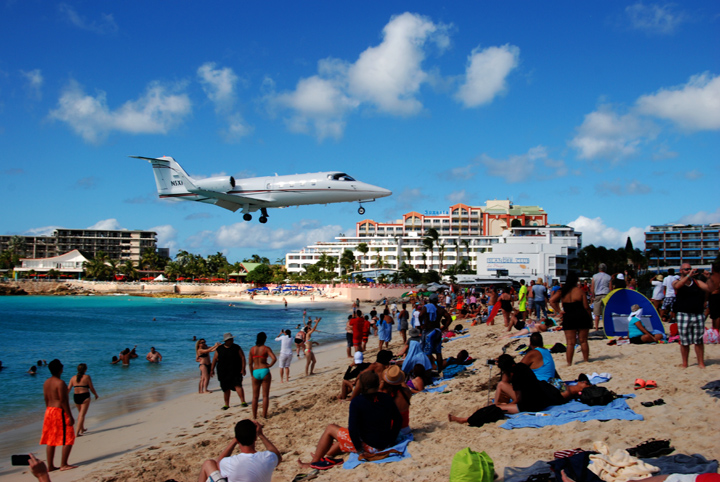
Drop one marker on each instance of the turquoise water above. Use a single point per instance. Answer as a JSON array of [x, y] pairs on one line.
[[91, 329]]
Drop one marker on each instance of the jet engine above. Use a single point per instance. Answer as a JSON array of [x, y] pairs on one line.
[[216, 184]]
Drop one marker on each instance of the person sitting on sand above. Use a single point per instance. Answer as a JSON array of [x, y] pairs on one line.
[[351, 374], [58, 422], [392, 382], [462, 358], [539, 359], [373, 425], [637, 333], [381, 363], [153, 356], [247, 466], [414, 353], [418, 379]]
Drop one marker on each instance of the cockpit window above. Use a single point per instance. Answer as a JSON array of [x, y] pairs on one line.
[[340, 176]]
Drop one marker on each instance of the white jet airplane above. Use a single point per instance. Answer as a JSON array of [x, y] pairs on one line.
[[259, 193]]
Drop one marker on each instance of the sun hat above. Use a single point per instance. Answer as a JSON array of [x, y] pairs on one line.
[[659, 277], [393, 375], [227, 336], [358, 357]]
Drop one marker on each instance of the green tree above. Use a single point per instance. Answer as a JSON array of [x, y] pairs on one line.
[[129, 270], [173, 270], [347, 261], [256, 258], [97, 267], [363, 248], [262, 274]]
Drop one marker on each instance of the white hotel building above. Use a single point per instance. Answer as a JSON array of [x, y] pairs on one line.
[[496, 236]]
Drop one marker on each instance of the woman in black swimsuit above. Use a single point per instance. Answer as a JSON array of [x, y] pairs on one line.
[[202, 356], [576, 316], [82, 383]]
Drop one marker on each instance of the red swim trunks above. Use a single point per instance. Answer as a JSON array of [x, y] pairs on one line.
[[346, 445], [57, 429]]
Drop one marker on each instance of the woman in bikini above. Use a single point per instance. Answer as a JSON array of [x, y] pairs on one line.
[[83, 386], [260, 373], [576, 316], [202, 356], [309, 355]]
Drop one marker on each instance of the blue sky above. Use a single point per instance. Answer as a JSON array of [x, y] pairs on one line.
[[605, 113]]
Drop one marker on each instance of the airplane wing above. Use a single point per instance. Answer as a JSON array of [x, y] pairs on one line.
[[231, 202]]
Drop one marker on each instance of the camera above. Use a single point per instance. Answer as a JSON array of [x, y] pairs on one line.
[[491, 361], [20, 460]]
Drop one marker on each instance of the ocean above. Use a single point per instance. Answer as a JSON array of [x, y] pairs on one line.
[[91, 329]]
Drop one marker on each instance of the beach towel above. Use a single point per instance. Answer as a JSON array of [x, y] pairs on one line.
[[447, 340], [683, 464], [618, 466], [573, 411], [415, 356], [435, 389], [395, 453], [594, 379], [575, 467]]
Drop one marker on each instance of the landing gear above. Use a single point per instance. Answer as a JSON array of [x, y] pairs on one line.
[[361, 210], [262, 219], [264, 215], [247, 217]]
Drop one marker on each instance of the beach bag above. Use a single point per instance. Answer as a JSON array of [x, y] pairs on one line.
[[594, 395], [711, 336], [470, 466], [489, 414]]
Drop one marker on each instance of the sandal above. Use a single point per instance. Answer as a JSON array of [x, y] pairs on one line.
[[640, 383], [650, 385]]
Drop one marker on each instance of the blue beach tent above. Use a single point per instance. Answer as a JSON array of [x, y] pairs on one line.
[[617, 310]]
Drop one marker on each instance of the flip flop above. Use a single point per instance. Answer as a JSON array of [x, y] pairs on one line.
[[640, 383], [649, 385]]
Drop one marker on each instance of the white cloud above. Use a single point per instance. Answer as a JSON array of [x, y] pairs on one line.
[[693, 175], [518, 168], [111, 224], [654, 19], [105, 25], [160, 109], [34, 85], [43, 231], [606, 134], [252, 235], [456, 197], [166, 236], [701, 217], [386, 77], [617, 188], [693, 106], [390, 74], [219, 85], [594, 231], [486, 73]]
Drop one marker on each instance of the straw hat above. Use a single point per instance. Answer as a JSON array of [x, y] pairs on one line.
[[393, 375], [227, 336], [659, 277]]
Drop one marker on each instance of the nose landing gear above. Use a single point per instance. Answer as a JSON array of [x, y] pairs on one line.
[[361, 210]]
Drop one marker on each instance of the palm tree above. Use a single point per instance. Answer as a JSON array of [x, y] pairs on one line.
[[129, 270], [378, 257], [97, 267], [441, 252], [429, 246], [331, 265], [347, 261], [149, 259], [408, 254], [363, 248], [173, 270], [424, 258]]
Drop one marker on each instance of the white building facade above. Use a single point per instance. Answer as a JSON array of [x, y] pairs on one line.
[[465, 233]]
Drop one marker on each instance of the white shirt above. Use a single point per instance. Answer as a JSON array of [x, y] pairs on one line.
[[658, 290], [416, 318], [257, 467], [285, 344], [668, 282]]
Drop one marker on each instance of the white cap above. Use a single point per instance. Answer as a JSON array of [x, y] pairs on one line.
[[620, 276], [358, 357]]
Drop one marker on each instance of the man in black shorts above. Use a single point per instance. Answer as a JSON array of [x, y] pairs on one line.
[[230, 362]]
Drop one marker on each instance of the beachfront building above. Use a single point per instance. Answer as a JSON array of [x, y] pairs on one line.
[[68, 264], [119, 245], [532, 252], [464, 234], [670, 245]]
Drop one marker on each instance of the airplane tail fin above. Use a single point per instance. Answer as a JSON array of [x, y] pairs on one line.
[[170, 178]]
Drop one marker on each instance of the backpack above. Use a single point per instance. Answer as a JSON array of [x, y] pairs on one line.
[[470, 466], [594, 395], [711, 336]]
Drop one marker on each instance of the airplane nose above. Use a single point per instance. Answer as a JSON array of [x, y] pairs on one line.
[[385, 192]]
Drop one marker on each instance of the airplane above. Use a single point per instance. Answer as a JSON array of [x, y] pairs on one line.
[[259, 193]]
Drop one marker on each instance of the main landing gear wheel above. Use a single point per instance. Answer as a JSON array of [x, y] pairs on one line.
[[247, 217], [361, 210], [262, 219]]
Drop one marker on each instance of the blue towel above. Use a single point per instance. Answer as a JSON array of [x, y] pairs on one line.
[[401, 446], [573, 411], [435, 389], [454, 338], [415, 356]]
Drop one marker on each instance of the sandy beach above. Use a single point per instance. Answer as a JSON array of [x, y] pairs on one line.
[[171, 439]]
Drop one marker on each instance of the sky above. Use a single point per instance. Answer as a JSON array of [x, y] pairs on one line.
[[606, 114]]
